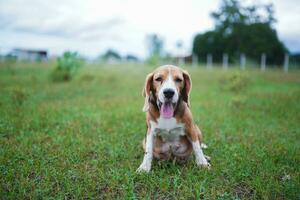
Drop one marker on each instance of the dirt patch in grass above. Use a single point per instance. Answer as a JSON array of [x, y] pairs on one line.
[[244, 191]]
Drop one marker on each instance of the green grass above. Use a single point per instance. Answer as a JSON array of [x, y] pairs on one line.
[[82, 139]]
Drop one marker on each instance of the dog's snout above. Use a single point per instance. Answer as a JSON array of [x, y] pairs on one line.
[[169, 93]]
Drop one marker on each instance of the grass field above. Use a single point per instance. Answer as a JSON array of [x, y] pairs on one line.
[[82, 139]]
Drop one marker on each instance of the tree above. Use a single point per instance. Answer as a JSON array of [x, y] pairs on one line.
[[240, 29], [67, 66], [155, 45], [132, 58], [111, 54]]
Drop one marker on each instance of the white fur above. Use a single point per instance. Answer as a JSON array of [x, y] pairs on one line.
[[200, 158], [146, 164], [168, 84], [169, 130], [165, 124]]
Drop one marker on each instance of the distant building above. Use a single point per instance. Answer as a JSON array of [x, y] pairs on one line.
[[184, 59], [29, 55]]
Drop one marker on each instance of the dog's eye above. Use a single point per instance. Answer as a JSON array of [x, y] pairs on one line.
[[158, 79], [178, 80]]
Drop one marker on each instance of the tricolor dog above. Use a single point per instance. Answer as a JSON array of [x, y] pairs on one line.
[[171, 132]]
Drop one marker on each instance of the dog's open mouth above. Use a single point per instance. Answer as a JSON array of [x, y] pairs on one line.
[[167, 109]]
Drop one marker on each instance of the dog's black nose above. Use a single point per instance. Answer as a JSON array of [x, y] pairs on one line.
[[169, 93]]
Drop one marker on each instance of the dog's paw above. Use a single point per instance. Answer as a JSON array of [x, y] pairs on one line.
[[206, 166], [203, 163], [144, 167], [208, 158]]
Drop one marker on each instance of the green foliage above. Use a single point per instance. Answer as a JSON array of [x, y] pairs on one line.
[[111, 54], [232, 12], [83, 140], [154, 59], [67, 66], [236, 82], [239, 30], [295, 60]]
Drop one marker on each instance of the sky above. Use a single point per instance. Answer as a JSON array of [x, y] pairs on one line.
[[93, 26]]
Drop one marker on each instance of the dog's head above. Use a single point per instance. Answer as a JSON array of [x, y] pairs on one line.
[[166, 86]]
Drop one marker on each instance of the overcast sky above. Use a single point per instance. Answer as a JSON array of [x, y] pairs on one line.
[[92, 26]]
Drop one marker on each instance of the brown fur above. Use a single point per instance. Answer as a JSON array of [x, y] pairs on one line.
[[182, 112]]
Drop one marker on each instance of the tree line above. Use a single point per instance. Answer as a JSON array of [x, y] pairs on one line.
[[240, 29]]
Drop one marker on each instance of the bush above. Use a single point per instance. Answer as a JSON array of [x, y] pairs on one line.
[[67, 66], [236, 82], [154, 59]]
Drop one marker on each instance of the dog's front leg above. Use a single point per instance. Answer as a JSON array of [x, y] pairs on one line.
[[146, 164]]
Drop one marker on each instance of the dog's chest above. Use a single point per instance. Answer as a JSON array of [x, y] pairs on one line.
[[168, 129]]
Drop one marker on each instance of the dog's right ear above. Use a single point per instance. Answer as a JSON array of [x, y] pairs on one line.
[[147, 91]]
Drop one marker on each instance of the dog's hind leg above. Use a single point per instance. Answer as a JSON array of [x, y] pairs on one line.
[[194, 137], [203, 145]]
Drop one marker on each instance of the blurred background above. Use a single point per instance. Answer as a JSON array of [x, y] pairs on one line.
[[71, 78], [256, 32]]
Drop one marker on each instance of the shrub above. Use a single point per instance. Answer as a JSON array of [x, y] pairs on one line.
[[154, 59], [67, 66], [236, 82]]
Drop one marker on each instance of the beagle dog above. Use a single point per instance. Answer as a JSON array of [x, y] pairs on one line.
[[171, 132]]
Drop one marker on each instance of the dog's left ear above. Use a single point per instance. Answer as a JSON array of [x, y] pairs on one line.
[[187, 87], [147, 91]]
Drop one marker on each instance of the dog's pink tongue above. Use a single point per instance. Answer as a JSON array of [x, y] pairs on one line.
[[167, 110]]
